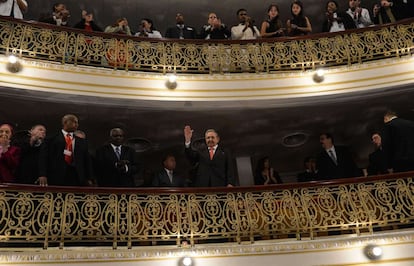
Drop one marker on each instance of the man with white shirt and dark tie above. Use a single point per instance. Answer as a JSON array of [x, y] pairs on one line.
[[215, 164], [167, 177], [335, 161], [115, 163]]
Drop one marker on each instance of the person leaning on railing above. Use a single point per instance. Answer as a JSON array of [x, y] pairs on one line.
[[13, 8]]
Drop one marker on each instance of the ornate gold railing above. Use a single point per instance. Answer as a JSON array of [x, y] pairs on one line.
[[65, 45], [63, 216]]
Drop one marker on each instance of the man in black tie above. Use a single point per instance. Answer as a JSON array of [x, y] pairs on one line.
[[167, 177], [335, 161], [180, 30], [64, 158], [115, 163], [215, 164]]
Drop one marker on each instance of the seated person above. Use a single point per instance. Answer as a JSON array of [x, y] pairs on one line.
[[148, 30], [59, 17], [265, 174], [214, 29], [119, 27]]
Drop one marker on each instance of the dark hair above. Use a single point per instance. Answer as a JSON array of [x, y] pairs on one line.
[[299, 3], [390, 112], [240, 10], [332, 1], [270, 7], [150, 22], [9, 125], [328, 136], [260, 164], [165, 157], [308, 159]]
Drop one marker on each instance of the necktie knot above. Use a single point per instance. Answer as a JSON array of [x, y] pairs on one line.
[[211, 151]]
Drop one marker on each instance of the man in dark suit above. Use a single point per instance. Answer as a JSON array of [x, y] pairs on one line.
[[377, 160], [335, 161], [115, 163], [64, 158], [167, 177], [398, 142], [180, 30], [215, 164]]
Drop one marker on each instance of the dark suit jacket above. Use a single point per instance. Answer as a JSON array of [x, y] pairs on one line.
[[174, 32], [346, 167], [218, 172], [345, 19], [398, 144], [108, 175], [52, 161], [377, 163], [161, 179]]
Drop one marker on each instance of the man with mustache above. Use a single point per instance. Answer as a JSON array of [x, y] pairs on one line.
[[215, 164]]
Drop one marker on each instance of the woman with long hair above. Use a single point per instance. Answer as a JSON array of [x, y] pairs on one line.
[[272, 26], [298, 24]]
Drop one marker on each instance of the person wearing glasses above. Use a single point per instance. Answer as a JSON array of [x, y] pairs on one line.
[[245, 30]]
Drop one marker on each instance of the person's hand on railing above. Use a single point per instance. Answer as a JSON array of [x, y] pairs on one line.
[[42, 181]]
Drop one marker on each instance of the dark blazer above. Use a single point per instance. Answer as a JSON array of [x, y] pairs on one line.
[[81, 25], [161, 179], [346, 166], [377, 163], [52, 161], [174, 32], [344, 18], [107, 174], [398, 144], [218, 172]]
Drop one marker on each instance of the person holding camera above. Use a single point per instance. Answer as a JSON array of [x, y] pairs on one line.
[[59, 17], [115, 163], [336, 20], [245, 30], [13, 8], [147, 29], [119, 27]]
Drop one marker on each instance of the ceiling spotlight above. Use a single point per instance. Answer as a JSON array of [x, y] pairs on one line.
[[171, 82], [373, 252], [13, 64], [186, 261], [319, 75]]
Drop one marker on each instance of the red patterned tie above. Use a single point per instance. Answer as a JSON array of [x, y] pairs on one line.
[[68, 139], [211, 151]]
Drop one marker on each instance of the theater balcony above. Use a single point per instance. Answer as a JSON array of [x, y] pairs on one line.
[[265, 97]]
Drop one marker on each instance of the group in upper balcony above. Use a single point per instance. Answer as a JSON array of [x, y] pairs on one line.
[[336, 19]]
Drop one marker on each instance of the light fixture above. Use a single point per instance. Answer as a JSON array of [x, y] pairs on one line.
[[373, 252], [13, 64], [171, 82], [319, 75], [186, 261]]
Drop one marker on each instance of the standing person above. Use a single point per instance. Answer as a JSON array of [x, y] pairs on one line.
[[377, 160], [9, 155], [119, 27], [398, 142], [215, 164], [335, 161], [115, 162], [358, 14], [245, 30], [298, 24], [59, 17], [336, 20], [214, 29], [87, 23], [147, 29], [167, 177], [13, 8], [28, 170], [64, 158], [180, 30], [265, 174], [272, 26]]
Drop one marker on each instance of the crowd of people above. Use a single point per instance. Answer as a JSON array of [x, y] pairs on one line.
[[336, 19], [63, 159]]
